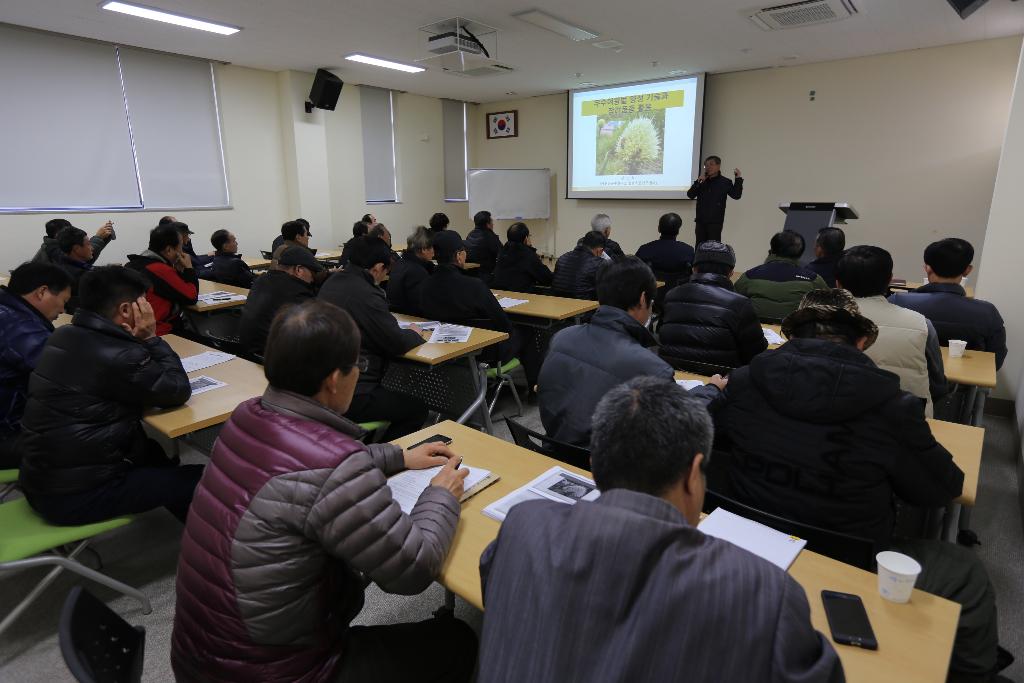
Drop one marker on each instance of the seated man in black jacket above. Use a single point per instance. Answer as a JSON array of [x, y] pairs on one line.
[[602, 222], [226, 266], [85, 457], [75, 258], [49, 252], [705, 321], [821, 435], [519, 268], [290, 283], [357, 290], [410, 271], [452, 297], [438, 222], [828, 248], [482, 245], [576, 271]]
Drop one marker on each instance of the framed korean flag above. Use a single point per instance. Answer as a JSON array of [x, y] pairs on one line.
[[503, 124]]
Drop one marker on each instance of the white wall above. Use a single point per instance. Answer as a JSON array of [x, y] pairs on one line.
[[911, 139], [1000, 262]]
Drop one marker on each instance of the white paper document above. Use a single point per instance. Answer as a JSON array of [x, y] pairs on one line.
[[219, 297], [689, 383], [778, 548], [202, 383], [509, 302], [204, 360], [772, 337], [425, 325], [450, 334], [557, 484], [407, 487]]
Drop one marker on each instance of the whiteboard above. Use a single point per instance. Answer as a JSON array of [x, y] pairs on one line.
[[514, 193]]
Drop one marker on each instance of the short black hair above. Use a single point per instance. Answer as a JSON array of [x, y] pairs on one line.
[[439, 222], [645, 435], [219, 238], [163, 236], [167, 219], [620, 283], [366, 252], [832, 241], [716, 159], [28, 277], [101, 290], [593, 239], [865, 271], [367, 218], [56, 225], [669, 224], [359, 229], [304, 222], [712, 267], [307, 343], [70, 237], [481, 219], [378, 231], [787, 244], [949, 257], [293, 229], [518, 232]]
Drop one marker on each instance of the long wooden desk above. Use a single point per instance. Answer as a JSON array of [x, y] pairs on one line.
[[915, 639], [244, 380], [553, 308], [435, 354], [963, 442], [207, 286], [256, 263]]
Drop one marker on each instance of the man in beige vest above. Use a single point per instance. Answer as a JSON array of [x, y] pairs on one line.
[[907, 343]]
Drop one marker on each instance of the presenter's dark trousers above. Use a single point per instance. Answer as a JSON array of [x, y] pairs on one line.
[[708, 231]]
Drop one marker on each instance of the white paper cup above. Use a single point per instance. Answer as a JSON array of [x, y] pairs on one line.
[[897, 574], [957, 348]]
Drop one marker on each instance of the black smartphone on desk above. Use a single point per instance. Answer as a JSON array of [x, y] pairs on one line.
[[848, 620], [436, 438]]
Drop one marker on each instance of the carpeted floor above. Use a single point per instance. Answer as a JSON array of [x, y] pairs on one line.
[[144, 555]]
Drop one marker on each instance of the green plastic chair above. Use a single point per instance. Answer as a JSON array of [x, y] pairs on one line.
[[8, 483], [29, 541], [375, 429], [505, 380]]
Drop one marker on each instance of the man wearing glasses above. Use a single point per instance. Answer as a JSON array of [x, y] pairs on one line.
[[290, 283], [357, 290]]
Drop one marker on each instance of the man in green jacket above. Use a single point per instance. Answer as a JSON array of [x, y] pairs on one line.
[[777, 286]]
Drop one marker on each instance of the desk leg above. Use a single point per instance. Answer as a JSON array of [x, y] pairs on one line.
[[978, 414], [478, 371]]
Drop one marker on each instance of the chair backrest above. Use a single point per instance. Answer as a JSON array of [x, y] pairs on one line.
[[696, 367], [99, 646], [854, 550], [539, 443]]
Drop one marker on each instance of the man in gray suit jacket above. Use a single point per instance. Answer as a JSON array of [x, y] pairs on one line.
[[625, 588]]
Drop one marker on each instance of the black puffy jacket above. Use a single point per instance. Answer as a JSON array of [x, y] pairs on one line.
[[519, 269], [91, 385], [227, 269], [576, 274], [405, 284], [483, 247], [820, 434], [705, 321]]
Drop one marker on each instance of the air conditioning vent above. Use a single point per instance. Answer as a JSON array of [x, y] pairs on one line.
[[487, 70], [806, 13]]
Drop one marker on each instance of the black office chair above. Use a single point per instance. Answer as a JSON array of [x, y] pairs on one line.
[[853, 550], [267, 254], [540, 443], [99, 646], [696, 367], [671, 278], [771, 319]]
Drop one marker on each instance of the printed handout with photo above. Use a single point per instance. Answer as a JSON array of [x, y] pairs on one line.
[[569, 486]]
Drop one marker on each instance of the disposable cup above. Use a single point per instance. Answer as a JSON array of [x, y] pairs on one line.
[[957, 348], [897, 574]]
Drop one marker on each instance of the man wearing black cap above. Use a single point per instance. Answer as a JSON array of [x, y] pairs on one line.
[[576, 271], [705, 320], [819, 434], [290, 283], [50, 252]]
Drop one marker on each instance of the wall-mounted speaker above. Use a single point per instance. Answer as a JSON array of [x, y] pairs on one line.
[[325, 91]]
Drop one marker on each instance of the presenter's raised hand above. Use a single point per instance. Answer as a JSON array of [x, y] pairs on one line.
[[703, 177], [736, 172]]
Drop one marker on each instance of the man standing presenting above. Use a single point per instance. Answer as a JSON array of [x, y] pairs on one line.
[[710, 191]]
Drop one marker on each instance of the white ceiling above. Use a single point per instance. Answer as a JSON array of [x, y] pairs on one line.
[[696, 35]]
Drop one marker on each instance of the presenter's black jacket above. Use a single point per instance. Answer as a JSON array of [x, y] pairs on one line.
[[576, 274], [955, 316], [483, 247], [405, 283], [82, 423], [451, 296], [519, 269], [268, 294], [227, 269], [711, 195], [706, 321], [355, 291], [821, 435]]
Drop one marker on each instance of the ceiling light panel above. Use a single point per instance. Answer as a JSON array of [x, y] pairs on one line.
[[386, 63], [556, 25], [144, 12]]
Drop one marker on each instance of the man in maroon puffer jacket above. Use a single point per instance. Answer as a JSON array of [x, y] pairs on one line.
[[293, 517]]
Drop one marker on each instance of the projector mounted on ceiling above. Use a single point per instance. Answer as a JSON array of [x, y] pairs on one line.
[[463, 47], [798, 14]]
